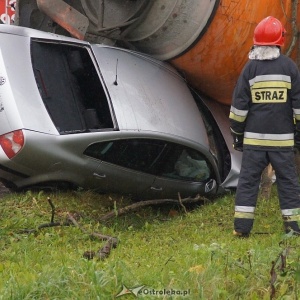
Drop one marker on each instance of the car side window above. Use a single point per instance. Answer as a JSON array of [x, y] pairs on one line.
[[183, 163], [135, 154], [155, 157]]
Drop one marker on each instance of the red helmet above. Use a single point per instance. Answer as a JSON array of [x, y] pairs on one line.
[[269, 32]]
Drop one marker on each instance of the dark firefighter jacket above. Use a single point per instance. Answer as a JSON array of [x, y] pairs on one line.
[[266, 104]]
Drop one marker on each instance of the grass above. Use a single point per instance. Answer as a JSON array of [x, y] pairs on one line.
[[175, 255]]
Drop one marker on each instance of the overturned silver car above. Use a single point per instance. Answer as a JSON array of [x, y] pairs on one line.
[[74, 114]]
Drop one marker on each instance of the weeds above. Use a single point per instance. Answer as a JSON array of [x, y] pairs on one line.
[[173, 253]]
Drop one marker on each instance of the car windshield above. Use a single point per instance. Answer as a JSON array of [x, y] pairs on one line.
[[70, 87]]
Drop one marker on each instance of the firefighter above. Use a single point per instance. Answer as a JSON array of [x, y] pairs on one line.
[[265, 125]]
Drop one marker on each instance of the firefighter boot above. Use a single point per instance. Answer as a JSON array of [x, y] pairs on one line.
[[242, 227], [240, 234]]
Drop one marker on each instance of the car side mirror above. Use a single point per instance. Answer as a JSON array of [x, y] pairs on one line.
[[211, 186]]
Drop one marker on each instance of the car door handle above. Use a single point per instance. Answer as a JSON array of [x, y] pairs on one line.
[[99, 175], [156, 188]]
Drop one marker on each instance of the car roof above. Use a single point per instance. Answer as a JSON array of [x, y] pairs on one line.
[[149, 95], [29, 32], [146, 95]]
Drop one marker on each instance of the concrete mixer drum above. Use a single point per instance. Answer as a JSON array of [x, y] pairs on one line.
[[162, 28], [168, 28]]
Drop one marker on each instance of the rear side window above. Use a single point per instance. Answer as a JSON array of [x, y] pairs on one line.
[[155, 157], [70, 87]]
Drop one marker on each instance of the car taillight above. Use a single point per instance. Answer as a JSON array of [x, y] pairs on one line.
[[12, 142]]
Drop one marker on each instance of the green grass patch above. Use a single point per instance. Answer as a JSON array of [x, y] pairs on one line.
[[173, 254]]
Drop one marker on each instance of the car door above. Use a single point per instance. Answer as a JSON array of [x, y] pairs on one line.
[[124, 165], [182, 170], [116, 179]]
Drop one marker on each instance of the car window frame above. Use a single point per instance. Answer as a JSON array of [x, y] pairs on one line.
[[97, 69], [156, 167]]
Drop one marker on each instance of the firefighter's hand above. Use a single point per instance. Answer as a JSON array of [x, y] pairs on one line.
[[238, 147], [238, 141]]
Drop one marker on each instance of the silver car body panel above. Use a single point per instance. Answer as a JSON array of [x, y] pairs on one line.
[[137, 106], [19, 96], [147, 99], [130, 78]]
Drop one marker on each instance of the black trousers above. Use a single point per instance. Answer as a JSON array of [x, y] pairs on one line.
[[253, 164]]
